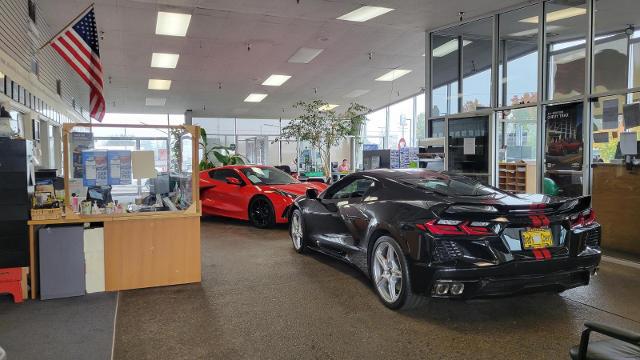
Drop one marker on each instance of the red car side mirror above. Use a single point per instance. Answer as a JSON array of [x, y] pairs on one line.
[[233, 181]]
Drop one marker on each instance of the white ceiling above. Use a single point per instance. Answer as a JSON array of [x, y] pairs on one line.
[[215, 51]]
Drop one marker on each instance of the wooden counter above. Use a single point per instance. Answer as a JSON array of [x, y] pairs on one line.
[[140, 250], [616, 201]]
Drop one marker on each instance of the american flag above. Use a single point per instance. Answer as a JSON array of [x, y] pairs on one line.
[[78, 45]]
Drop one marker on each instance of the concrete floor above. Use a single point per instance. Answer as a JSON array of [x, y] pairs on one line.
[[261, 300]]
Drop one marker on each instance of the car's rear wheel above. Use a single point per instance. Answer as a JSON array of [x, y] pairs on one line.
[[261, 213], [390, 275], [296, 230]]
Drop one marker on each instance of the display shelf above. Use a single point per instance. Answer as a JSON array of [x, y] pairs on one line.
[[513, 177]]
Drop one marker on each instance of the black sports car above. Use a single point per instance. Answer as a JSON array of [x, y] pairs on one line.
[[416, 232]]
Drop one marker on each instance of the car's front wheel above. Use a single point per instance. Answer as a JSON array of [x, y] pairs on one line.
[[261, 213], [390, 275], [296, 230]]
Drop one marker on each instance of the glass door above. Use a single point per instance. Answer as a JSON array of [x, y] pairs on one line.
[[468, 147]]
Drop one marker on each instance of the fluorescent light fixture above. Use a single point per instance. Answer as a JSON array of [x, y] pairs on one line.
[[328, 107], [558, 15], [255, 98], [155, 101], [172, 24], [304, 55], [356, 93], [365, 13], [276, 80], [393, 75], [533, 31], [158, 84], [448, 47], [165, 61]]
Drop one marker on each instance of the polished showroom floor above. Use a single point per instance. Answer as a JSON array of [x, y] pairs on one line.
[[261, 300]]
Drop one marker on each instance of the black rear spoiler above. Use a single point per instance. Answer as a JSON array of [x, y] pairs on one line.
[[555, 206]]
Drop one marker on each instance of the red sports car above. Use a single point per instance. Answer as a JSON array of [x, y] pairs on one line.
[[260, 194]]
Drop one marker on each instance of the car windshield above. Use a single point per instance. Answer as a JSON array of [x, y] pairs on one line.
[[267, 176], [453, 186]]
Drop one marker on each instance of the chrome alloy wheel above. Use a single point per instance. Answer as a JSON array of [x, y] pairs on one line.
[[387, 272], [296, 230]]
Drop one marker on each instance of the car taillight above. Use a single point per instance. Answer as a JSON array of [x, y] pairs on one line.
[[456, 227], [585, 218]]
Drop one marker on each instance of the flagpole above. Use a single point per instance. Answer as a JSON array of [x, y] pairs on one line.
[[66, 26]]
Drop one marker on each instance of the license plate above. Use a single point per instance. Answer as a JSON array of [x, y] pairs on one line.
[[536, 238]]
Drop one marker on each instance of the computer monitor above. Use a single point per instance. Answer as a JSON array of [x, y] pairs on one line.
[[100, 194], [161, 185]]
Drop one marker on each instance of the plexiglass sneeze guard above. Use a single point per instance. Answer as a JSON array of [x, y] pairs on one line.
[[118, 170]]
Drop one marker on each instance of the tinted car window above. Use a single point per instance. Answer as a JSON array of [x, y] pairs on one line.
[[354, 189], [223, 174], [267, 176], [453, 186]]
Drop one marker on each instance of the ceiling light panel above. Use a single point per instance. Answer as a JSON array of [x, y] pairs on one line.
[[328, 107], [276, 80], [172, 24], [155, 101], [255, 98], [356, 93], [158, 84], [558, 15], [393, 75], [305, 55], [365, 13], [448, 47], [164, 60]]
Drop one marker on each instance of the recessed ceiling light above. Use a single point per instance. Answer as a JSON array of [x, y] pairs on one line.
[[356, 93], [158, 84], [172, 24], [276, 80], [365, 13], [328, 107], [255, 98], [558, 15], [448, 47], [165, 61], [155, 101], [304, 55], [393, 75]]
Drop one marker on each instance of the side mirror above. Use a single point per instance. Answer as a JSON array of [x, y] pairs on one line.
[[233, 181], [312, 194]]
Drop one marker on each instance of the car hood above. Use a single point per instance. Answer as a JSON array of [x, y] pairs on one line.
[[298, 188]]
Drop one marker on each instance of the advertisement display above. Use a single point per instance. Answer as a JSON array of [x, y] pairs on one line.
[[119, 167], [95, 166], [79, 142], [564, 150]]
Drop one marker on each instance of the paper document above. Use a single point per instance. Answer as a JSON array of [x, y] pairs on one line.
[[469, 146]]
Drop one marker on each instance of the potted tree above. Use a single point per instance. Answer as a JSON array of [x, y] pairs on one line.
[[323, 127]]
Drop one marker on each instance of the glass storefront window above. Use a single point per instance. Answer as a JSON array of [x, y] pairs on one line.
[[401, 124], [476, 64], [445, 68], [518, 66], [421, 130], [616, 45], [517, 140], [517, 134], [566, 28], [376, 128]]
